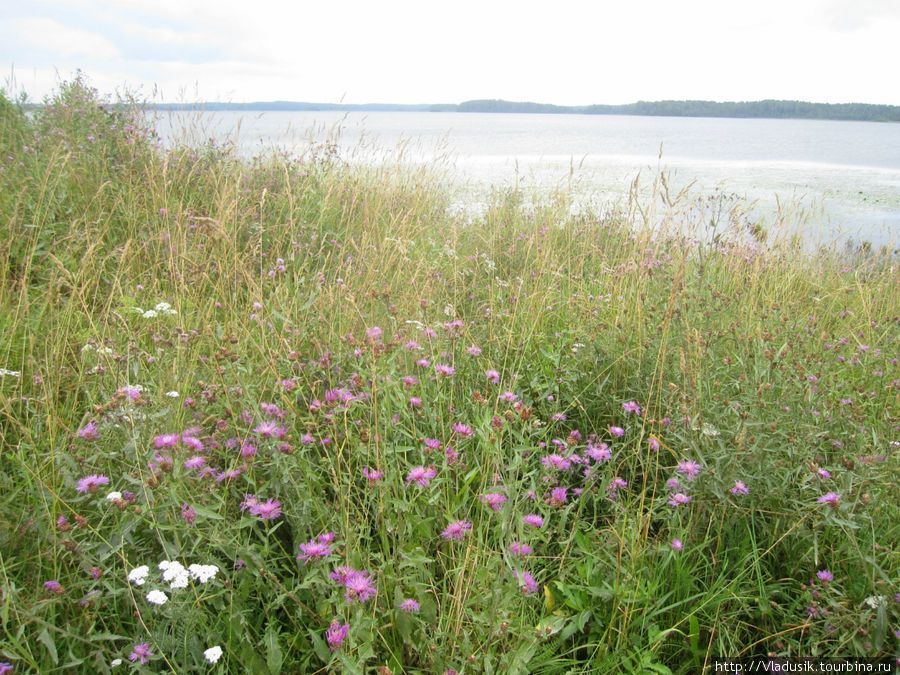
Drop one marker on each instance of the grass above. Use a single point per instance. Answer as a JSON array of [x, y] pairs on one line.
[[211, 335]]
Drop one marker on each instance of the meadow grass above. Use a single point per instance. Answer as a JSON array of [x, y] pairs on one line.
[[532, 442]]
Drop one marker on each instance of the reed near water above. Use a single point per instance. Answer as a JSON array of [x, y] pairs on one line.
[[296, 415]]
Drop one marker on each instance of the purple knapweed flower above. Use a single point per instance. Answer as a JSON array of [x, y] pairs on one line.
[[831, 498], [653, 443], [598, 452], [91, 483], [444, 369], [336, 634], [315, 549], [558, 497], [678, 499], [677, 545], [688, 468], [739, 488], [54, 587], [519, 549], [462, 429], [616, 484], [526, 582], [166, 441], [409, 605], [270, 429], [432, 444], [359, 586], [140, 652], [494, 499], [617, 431], [89, 432], [372, 475], [421, 475], [508, 397], [825, 575], [533, 519], [492, 375], [195, 462], [557, 462], [456, 530], [188, 514], [632, 407]]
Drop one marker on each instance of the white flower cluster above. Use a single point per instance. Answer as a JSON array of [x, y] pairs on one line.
[[213, 654], [173, 573], [11, 373], [161, 309]]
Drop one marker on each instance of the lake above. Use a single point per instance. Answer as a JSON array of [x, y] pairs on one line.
[[841, 180]]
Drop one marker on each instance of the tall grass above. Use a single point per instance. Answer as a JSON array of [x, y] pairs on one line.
[[706, 424]]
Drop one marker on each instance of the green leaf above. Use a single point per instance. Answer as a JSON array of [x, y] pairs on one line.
[[47, 640], [274, 657]]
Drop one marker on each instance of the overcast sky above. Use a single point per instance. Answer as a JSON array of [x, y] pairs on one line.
[[428, 51]]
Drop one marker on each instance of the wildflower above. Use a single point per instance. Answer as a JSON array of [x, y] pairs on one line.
[[89, 432], [558, 417], [432, 444], [373, 334], [336, 634], [614, 486], [688, 468], [412, 346], [420, 475], [508, 397], [415, 401], [519, 549], [739, 488], [494, 499], [157, 597], [456, 530], [653, 443], [444, 369], [114, 496], [193, 443], [823, 474], [12, 373], [138, 575], [462, 429], [203, 573], [423, 363], [268, 510], [314, 550], [213, 654], [617, 431], [527, 582], [54, 587], [598, 452], [372, 475], [493, 376], [140, 652], [678, 499], [632, 407], [166, 441], [556, 461], [558, 497], [62, 524], [534, 520], [174, 573], [91, 483], [270, 429], [825, 575], [831, 498], [359, 585], [677, 545], [409, 605], [194, 462]]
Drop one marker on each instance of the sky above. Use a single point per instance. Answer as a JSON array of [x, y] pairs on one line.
[[564, 52]]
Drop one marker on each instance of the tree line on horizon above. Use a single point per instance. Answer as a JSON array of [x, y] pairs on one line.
[[773, 109]]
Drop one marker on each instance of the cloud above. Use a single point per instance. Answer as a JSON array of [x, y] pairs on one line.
[[53, 37], [853, 15]]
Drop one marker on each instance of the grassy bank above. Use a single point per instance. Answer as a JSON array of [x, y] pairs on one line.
[[533, 443]]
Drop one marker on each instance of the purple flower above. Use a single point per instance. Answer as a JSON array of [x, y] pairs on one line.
[[677, 545], [267, 510], [192, 442], [519, 549], [91, 483], [166, 441], [739, 488], [314, 550], [631, 407], [617, 431], [493, 376], [89, 432], [462, 429], [456, 530], [494, 499], [54, 587], [558, 497], [533, 519], [678, 499], [556, 461], [359, 586], [420, 475], [140, 652], [336, 634], [409, 605], [508, 397], [688, 468], [372, 475], [195, 462], [188, 514], [825, 575], [270, 429], [444, 369], [653, 443], [432, 444], [598, 452], [831, 498], [614, 486], [526, 582]]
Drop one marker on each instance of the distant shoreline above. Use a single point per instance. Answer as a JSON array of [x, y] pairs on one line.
[[768, 109]]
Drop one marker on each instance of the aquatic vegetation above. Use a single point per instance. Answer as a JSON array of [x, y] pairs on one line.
[[361, 433]]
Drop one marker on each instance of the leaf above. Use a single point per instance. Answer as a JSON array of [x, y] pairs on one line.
[[274, 657], [47, 640]]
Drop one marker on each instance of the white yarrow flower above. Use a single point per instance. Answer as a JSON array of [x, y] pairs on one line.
[[150, 313], [115, 662], [172, 394], [138, 575], [113, 496], [203, 573], [213, 654], [11, 373], [174, 573], [157, 597]]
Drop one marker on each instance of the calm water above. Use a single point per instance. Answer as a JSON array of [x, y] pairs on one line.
[[845, 176]]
